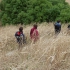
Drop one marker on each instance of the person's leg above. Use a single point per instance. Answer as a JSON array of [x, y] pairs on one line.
[[24, 39], [18, 41], [56, 29], [17, 38]]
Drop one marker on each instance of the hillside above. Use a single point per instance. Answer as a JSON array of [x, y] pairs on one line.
[[51, 52]]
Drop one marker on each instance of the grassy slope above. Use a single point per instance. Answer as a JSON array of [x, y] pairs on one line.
[[51, 52]]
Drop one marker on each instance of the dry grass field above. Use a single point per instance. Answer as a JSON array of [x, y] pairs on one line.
[[51, 52]]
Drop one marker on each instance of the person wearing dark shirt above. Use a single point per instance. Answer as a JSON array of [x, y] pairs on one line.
[[57, 27], [20, 33]]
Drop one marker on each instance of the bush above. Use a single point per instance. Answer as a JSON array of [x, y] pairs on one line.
[[27, 11]]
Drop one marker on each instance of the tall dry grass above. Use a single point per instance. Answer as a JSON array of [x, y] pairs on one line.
[[51, 52]]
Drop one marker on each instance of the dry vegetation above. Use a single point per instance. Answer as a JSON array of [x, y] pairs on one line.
[[51, 52]]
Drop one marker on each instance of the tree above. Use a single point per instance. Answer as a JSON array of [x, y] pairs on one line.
[[28, 11]]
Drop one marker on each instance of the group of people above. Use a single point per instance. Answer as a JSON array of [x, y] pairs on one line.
[[34, 34]]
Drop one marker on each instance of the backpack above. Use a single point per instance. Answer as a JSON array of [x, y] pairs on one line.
[[18, 33]]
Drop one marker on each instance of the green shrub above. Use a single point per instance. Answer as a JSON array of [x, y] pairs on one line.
[[28, 11]]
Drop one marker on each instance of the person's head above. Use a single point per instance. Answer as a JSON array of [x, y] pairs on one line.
[[21, 29], [35, 26], [58, 21]]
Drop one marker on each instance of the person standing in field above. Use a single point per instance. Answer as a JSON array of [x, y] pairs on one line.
[[18, 36], [34, 34], [57, 27]]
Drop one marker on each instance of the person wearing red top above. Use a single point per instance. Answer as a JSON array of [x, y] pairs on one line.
[[34, 34]]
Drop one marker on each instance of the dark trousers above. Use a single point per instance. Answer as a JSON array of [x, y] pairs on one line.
[[19, 38], [57, 29]]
